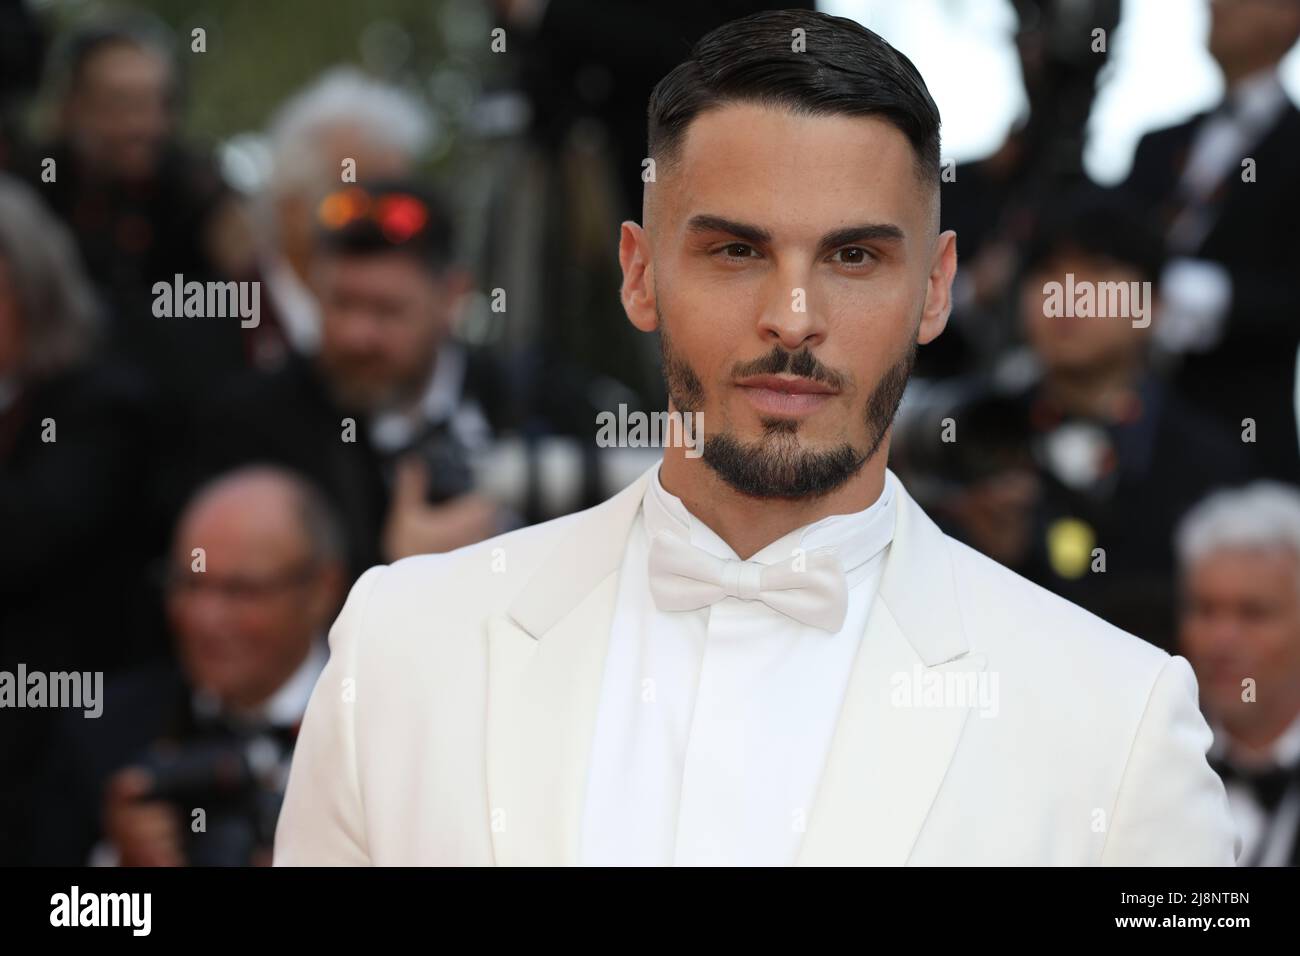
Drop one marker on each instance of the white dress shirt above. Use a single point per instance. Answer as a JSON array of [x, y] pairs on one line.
[[294, 303], [1225, 138], [443, 399], [714, 724], [287, 705], [1254, 823], [1197, 293]]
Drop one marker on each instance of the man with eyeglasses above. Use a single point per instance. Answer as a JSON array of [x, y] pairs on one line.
[[187, 764]]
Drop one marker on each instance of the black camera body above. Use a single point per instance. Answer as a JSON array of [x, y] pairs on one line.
[[229, 780], [447, 463]]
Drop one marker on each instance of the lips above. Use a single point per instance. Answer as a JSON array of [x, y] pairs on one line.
[[784, 397], [787, 385]]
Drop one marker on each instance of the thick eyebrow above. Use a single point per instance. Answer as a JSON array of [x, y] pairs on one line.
[[741, 230], [864, 232]]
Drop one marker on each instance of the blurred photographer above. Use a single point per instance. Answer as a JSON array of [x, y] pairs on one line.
[[1077, 478], [1231, 284], [1239, 554], [187, 764], [76, 533], [341, 115], [388, 411], [142, 203]]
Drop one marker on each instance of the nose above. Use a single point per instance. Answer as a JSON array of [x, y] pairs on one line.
[[356, 329], [1216, 636], [207, 610], [790, 316]]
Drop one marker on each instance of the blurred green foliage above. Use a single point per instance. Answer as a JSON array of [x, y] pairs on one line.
[[261, 51]]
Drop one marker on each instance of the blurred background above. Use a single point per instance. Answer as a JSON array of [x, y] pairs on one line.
[[189, 484]]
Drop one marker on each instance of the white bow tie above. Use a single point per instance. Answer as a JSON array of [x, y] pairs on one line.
[[810, 588]]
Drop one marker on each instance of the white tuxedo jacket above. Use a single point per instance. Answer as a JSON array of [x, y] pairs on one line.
[[454, 721]]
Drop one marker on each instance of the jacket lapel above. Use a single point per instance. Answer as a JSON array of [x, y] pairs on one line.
[[891, 747], [888, 756], [546, 658]]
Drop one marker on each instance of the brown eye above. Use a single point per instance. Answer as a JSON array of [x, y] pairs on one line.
[[854, 256], [738, 250]]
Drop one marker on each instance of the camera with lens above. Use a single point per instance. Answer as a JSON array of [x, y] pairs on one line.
[[234, 782], [447, 462]]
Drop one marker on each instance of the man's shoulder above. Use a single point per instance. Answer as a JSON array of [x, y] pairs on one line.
[[1059, 666], [457, 591], [1023, 621], [500, 565]]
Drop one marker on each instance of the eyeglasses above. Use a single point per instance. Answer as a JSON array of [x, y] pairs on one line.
[[399, 216], [238, 589]]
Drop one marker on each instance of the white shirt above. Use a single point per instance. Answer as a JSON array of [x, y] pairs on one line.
[[1253, 821], [1197, 293], [1252, 106], [1219, 146], [714, 725], [294, 303], [289, 702], [443, 399]]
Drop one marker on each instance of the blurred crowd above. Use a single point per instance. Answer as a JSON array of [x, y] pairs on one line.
[[218, 408]]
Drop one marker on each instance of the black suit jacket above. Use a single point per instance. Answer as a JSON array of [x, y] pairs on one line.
[[145, 711], [138, 708], [288, 418], [77, 533], [1255, 235], [1164, 459]]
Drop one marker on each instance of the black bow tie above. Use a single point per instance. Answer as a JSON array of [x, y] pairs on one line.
[[1268, 784], [227, 727]]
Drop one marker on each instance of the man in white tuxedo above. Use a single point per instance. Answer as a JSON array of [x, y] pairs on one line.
[[767, 653]]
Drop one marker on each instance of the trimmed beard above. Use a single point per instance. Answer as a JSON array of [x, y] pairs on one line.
[[777, 466]]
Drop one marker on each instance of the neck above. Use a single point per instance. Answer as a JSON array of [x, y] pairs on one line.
[[407, 400], [1234, 73], [242, 703], [750, 524], [250, 701], [1252, 743], [1093, 393]]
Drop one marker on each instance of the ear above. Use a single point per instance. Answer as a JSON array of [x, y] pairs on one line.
[[938, 290], [638, 292], [452, 287], [327, 593]]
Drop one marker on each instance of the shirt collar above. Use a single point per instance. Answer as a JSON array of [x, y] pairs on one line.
[[393, 430], [856, 537], [286, 706], [1285, 750], [1257, 98]]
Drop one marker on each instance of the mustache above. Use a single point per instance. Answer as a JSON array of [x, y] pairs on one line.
[[802, 363]]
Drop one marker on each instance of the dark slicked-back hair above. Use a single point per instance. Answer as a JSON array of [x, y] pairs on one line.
[[843, 69]]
